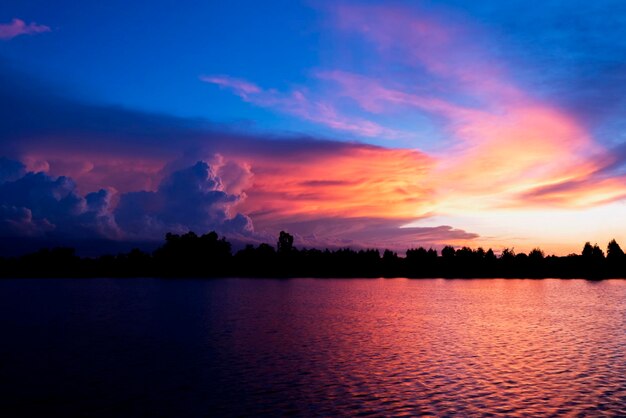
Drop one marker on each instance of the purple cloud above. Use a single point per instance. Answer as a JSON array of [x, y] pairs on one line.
[[36, 204], [189, 199], [370, 232], [39, 205], [18, 27], [18, 221]]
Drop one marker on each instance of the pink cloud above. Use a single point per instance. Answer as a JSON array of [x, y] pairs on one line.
[[93, 170], [504, 144], [19, 27], [444, 45], [586, 192]]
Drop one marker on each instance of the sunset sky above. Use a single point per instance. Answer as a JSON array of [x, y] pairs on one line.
[[363, 124]]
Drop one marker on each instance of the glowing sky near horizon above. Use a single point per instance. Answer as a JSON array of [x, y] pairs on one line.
[[393, 124]]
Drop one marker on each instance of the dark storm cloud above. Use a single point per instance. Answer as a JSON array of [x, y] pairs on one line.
[[38, 205]]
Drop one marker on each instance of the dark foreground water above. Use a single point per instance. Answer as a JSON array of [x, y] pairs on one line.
[[190, 348]]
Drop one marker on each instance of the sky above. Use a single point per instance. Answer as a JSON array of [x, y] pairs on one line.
[[362, 124]]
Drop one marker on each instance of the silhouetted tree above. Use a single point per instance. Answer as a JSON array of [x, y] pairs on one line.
[[390, 264], [536, 255], [507, 255], [285, 243], [416, 253], [521, 257], [592, 259], [597, 252], [448, 252], [614, 251], [464, 253], [594, 251], [615, 260]]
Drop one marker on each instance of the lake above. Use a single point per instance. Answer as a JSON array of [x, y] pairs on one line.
[[311, 347]]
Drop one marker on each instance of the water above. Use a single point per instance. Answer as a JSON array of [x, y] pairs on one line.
[[191, 348]]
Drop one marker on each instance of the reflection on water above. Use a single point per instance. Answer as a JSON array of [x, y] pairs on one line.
[[312, 347]]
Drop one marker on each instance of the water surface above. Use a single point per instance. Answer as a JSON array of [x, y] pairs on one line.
[[152, 347]]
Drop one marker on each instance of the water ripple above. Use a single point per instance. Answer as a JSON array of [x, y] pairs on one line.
[[313, 347]]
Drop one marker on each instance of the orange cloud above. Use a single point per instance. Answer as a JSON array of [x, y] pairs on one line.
[[359, 181]]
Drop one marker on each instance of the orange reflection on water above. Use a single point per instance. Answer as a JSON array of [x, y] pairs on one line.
[[469, 347]]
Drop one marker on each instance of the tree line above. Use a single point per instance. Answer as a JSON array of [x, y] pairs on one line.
[[208, 255]]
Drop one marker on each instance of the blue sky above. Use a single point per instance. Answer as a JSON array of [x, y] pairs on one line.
[[150, 57]]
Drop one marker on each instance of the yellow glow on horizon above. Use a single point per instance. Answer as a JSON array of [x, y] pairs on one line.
[[558, 231]]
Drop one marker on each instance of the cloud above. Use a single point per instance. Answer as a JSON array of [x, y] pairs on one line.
[[366, 232], [189, 199], [300, 103], [19, 222], [36, 204], [18, 27], [240, 87], [356, 181], [39, 205], [587, 192]]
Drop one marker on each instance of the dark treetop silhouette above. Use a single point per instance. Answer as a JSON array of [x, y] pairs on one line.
[[208, 255]]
